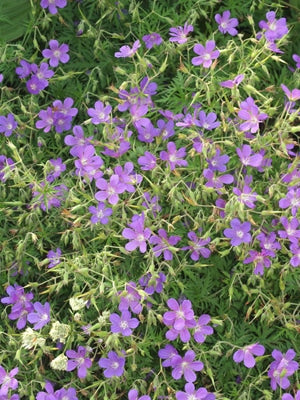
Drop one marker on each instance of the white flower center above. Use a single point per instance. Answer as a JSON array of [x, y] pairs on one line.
[[124, 325], [44, 317], [111, 191], [240, 234], [179, 314], [115, 365], [140, 237]]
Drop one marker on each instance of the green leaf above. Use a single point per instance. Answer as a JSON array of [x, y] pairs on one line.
[[14, 16]]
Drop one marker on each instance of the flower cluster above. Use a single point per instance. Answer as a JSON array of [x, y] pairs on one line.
[[59, 116]]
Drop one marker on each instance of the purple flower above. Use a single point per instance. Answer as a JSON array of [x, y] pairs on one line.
[[100, 214], [65, 108], [227, 24], [52, 5], [290, 231], [173, 156], [48, 197], [109, 190], [186, 366], [137, 234], [42, 73], [46, 120], [150, 284], [214, 181], [170, 115], [146, 131], [250, 113], [208, 121], [292, 199], [205, 54], [180, 319], [114, 364], [151, 203], [163, 243], [147, 161], [166, 129], [293, 95], [41, 316], [123, 324], [133, 395], [268, 243], [127, 176], [295, 260], [21, 302], [66, 394], [57, 53], [282, 368], [179, 34], [138, 95], [58, 168], [287, 396], [247, 158], [167, 354], [8, 381], [77, 141], [202, 329], [246, 354], [34, 85], [60, 116], [78, 360], [8, 124], [197, 246], [24, 70], [239, 232], [259, 259], [152, 39], [130, 299], [296, 58], [218, 161], [274, 29], [100, 113], [54, 257], [50, 395], [232, 83], [246, 196], [194, 394], [126, 51], [6, 164]]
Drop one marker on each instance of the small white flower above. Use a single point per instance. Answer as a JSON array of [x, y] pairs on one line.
[[59, 363]]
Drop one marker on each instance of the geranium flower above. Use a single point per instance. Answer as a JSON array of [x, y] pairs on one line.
[[239, 232], [206, 54], [227, 24], [246, 354], [114, 364]]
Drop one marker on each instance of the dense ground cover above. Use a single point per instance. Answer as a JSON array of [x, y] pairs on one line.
[[149, 200]]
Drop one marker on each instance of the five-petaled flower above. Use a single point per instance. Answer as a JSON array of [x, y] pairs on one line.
[[246, 354], [227, 24], [137, 234], [41, 316], [239, 232], [206, 54], [78, 359], [57, 53], [123, 324], [179, 319], [114, 364], [179, 34]]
